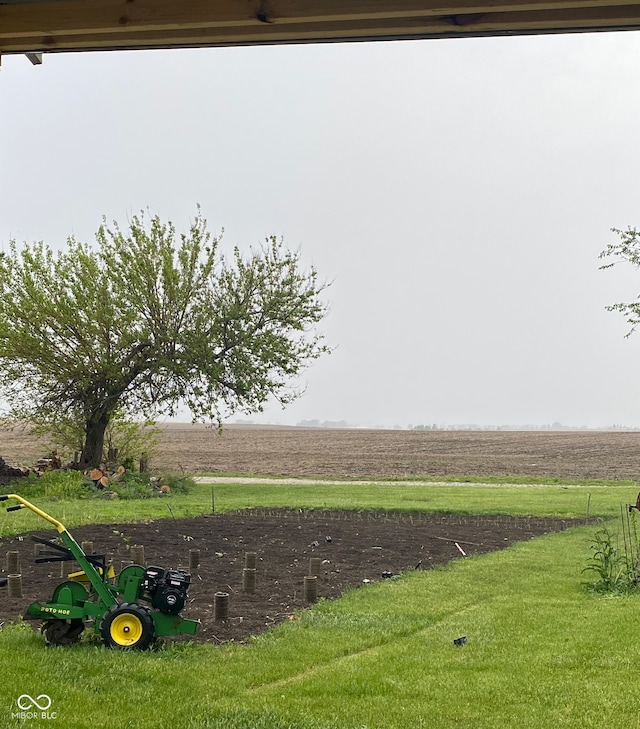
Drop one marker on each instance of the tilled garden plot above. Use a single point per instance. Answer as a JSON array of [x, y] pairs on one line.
[[354, 548]]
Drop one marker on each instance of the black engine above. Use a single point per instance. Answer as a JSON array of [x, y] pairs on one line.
[[167, 589]]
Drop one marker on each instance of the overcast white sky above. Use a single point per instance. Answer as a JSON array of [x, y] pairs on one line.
[[457, 192]]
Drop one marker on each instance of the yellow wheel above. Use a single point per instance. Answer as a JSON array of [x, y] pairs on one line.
[[127, 626], [126, 629]]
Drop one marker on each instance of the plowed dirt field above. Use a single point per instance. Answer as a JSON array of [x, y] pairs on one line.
[[389, 453], [379, 453]]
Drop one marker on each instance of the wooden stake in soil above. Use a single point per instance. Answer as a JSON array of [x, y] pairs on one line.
[[37, 548], [250, 560], [194, 559], [248, 580], [137, 554], [310, 588], [221, 606], [87, 547], [13, 563], [15, 585], [315, 564]]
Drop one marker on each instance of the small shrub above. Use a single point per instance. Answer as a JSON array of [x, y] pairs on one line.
[[54, 485], [28, 487], [66, 485], [132, 486]]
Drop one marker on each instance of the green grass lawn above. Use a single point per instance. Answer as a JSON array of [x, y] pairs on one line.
[[602, 498], [542, 651]]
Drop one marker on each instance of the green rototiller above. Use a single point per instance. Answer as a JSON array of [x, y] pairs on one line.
[[127, 612]]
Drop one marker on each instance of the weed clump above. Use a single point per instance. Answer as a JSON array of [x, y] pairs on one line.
[[616, 570]]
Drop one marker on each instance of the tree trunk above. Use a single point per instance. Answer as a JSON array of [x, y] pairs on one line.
[[94, 441]]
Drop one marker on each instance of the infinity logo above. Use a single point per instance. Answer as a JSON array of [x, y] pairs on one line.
[[26, 702]]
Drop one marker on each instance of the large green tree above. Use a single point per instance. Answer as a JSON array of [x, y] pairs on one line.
[[146, 322]]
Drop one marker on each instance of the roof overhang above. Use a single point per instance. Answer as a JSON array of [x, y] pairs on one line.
[[34, 26]]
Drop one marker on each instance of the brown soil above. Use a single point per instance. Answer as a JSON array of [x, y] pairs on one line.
[[399, 454], [355, 547]]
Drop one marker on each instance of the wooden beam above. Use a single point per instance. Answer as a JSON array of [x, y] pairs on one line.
[[115, 16], [112, 24]]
